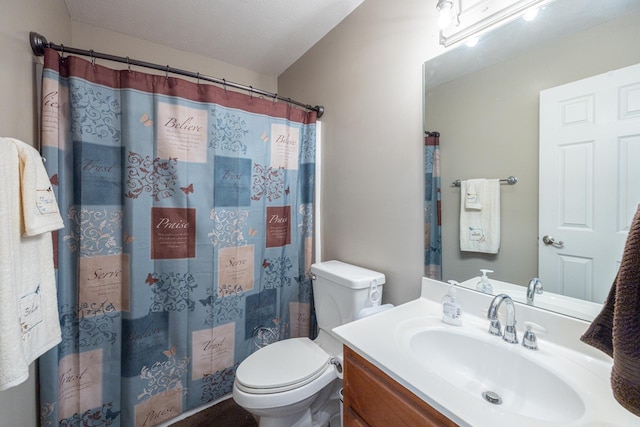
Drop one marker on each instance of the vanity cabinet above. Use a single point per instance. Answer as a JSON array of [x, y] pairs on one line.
[[373, 399]]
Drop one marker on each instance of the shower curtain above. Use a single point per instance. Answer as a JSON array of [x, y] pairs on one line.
[[432, 210], [188, 215]]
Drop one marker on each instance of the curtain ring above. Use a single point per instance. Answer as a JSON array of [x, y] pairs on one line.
[[275, 98], [224, 85], [128, 64], [61, 50], [198, 76], [251, 91], [166, 73], [93, 58]]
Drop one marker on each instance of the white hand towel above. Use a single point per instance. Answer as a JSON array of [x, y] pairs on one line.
[[39, 205], [473, 193], [480, 229], [29, 322]]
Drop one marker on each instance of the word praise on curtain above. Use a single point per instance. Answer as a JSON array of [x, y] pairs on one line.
[[187, 244]]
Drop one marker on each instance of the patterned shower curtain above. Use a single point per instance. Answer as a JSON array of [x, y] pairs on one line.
[[432, 210], [187, 240]]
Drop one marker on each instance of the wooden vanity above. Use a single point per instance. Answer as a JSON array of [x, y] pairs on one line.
[[372, 398]]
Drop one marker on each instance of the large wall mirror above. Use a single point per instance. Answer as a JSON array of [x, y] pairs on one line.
[[485, 103]]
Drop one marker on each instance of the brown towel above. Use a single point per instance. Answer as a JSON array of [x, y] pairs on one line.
[[616, 330]]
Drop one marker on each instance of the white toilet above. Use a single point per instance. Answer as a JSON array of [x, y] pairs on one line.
[[294, 382]]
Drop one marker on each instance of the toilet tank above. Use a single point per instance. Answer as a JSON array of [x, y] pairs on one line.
[[341, 290]]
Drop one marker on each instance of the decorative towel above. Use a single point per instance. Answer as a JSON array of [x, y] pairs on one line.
[[29, 322], [616, 330], [480, 229], [473, 193], [39, 205]]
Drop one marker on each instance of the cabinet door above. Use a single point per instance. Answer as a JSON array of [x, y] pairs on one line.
[[351, 419], [377, 400]]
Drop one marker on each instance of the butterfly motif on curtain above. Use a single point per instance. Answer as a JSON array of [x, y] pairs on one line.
[[207, 301], [127, 238], [265, 264], [253, 232], [111, 415], [145, 120], [54, 179], [264, 137], [188, 189], [171, 352], [150, 280]]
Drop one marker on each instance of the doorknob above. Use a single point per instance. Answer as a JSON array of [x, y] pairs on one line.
[[549, 240]]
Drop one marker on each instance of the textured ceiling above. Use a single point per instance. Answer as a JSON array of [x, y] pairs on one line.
[[265, 36]]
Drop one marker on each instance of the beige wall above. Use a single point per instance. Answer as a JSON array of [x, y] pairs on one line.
[[17, 18], [367, 73], [18, 120], [489, 126], [88, 37]]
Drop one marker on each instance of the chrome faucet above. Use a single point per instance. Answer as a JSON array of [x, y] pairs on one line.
[[535, 287], [510, 335]]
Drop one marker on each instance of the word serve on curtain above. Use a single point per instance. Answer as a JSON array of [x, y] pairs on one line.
[[432, 209], [187, 240]]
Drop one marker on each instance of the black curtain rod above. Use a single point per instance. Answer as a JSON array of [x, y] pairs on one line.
[[39, 43]]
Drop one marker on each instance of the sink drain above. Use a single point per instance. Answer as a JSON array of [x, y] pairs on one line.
[[492, 397]]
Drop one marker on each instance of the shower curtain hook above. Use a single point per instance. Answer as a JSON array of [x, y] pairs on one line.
[[61, 50], [198, 77], [128, 64], [224, 85], [93, 58], [166, 73], [251, 91], [275, 98]]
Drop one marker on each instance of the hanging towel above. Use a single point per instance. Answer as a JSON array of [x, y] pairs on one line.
[[473, 193], [29, 322], [480, 229], [616, 330], [39, 205]]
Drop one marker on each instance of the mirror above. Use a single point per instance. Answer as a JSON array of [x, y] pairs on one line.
[[484, 101]]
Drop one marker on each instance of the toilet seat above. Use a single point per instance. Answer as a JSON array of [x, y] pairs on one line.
[[282, 366]]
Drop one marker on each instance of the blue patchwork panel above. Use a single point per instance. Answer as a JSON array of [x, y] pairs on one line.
[[232, 177], [97, 174]]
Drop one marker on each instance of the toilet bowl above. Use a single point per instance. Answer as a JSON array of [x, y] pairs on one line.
[[295, 382], [285, 383]]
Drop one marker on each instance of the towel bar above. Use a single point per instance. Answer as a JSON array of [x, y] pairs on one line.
[[511, 181]]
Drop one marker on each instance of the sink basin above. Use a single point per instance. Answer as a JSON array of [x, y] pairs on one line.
[[480, 365]]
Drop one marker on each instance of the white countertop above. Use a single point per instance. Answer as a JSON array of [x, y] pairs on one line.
[[382, 339]]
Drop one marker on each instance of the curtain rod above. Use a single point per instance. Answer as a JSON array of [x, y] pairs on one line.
[[39, 43]]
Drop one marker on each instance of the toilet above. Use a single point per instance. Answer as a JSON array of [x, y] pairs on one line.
[[296, 382]]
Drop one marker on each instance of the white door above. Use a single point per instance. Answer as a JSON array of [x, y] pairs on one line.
[[589, 180]]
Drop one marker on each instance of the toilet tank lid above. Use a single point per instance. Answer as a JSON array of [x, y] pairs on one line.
[[347, 275]]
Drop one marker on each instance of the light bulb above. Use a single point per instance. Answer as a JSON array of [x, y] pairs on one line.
[[445, 14], [530, 15]]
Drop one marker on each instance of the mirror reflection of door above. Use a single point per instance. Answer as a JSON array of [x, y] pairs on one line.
[[589, 180]]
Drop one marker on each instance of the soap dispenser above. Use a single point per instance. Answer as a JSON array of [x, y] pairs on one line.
[[451, 309], [483, 285]]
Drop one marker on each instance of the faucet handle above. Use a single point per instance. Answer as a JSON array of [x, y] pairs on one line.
[[529, 340], [495, 328]]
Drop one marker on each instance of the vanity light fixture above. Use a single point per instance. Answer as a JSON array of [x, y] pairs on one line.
[[475, 18]]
